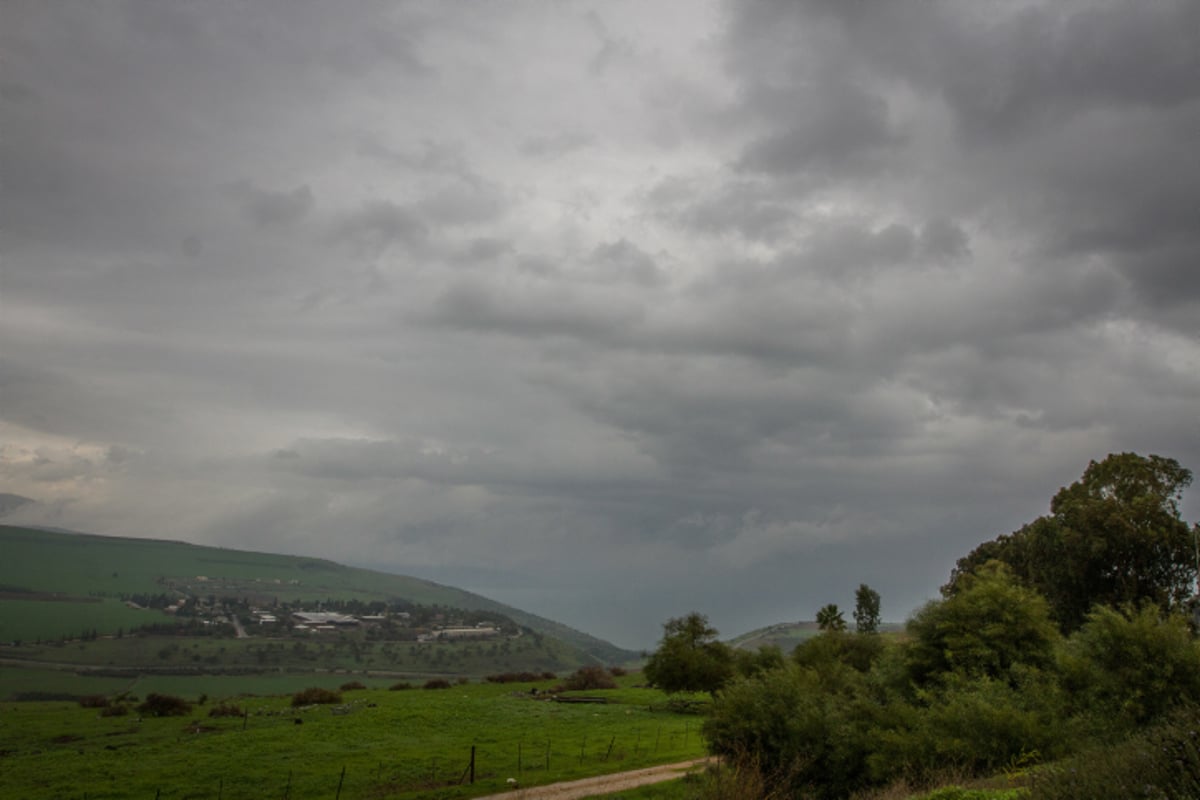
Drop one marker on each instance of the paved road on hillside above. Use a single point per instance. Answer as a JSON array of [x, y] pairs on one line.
[[602, 784]]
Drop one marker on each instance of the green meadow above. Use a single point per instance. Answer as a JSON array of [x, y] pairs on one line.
[[376, 744]]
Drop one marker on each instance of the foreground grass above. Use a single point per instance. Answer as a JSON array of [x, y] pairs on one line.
[[409, 744]]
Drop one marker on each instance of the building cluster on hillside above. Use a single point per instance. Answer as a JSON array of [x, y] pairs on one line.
[[316, 622]]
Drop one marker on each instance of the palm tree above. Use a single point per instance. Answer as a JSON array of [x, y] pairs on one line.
[[830, 619]]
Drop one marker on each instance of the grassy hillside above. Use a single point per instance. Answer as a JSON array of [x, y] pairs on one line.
[[56, 584]]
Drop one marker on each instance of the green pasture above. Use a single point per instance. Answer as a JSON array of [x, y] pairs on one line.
[[390, 744], [17, 681], [31, 620]]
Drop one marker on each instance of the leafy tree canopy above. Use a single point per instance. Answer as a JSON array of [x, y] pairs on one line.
[[689, 657], [989, 626], [1113, 537], [866, 609]]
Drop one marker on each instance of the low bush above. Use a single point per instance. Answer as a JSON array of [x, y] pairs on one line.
[[399, 687], [93, 701], [589, 678], [515, 677], [226, 710], [115, 710], [315, 695], [436, 683], [164, 705], [352, 686]]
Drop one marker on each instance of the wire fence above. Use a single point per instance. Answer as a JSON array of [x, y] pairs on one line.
[[494, 766]]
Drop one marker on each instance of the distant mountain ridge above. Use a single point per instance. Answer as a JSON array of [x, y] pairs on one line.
[[84, 563]]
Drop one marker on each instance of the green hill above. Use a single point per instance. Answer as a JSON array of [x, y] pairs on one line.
[[55, 583], [786, 635]]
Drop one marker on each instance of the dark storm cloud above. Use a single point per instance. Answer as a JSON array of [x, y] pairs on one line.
[[742, 207], [734, 306], [267, 209], [533, 312], [381, 224]]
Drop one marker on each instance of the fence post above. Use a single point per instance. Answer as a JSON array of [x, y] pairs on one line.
[[472, 763], [547, 755], [610, 747], [338, 796]]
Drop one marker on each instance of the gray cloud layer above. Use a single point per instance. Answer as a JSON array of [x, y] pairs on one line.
[[611, 312]]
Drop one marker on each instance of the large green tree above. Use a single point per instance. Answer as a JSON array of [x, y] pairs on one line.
[[689, 657], [1113, 537]]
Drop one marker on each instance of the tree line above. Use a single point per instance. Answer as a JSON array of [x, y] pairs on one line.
[[1051, 651]]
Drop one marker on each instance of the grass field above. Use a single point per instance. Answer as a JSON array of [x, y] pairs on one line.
[[404, 745]]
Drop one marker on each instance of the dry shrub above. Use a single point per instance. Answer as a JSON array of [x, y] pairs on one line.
[[315, 695], [164, 705], [589, 678], [515, 677], [93, 701], [115, 710], [352, 686], [436, 683], [399, 687], [226, 710]]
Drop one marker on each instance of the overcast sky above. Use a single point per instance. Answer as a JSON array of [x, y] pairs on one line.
[[611, 311]]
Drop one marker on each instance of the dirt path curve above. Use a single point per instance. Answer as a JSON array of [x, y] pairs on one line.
[[601, 784]]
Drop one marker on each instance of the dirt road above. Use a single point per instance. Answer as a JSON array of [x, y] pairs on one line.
[[601, 784]]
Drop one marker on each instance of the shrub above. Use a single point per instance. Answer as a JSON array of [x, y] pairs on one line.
[[1162, 763], [463, 681], [93, 701], [399, 687], [1130, 667], [988, 626], [436, 683], [164, 705], [973, 726], [115, 710], [515, 677], [589, 678], [352, 686], [226, 710], [617, 672], [315, 695]]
